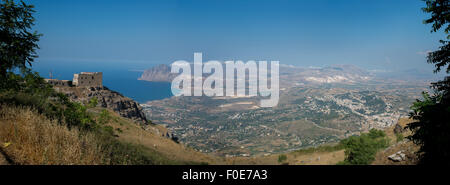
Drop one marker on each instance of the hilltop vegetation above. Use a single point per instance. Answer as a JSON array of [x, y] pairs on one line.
[[361, 150], [42, 126], [31, 96]]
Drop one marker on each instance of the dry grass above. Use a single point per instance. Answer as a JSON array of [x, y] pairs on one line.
[[176, 153], [33, 139], [293, 158], [408, 147]]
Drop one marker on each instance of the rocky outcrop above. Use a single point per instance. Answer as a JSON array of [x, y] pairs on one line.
[[163, 133], [106, 98], [159, 73], [397, 157]]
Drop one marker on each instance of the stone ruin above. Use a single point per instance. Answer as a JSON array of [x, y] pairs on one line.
[[59, 83], [84, 79], [88, 79]]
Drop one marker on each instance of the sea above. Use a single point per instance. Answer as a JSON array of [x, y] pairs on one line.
[[118, 76]]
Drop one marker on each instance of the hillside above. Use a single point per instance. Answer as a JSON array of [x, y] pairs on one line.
[[331, 154], [401, 146], [305, 117], [160, 149], [153, 138], [27, 137], [60, 145], [118, 138], [316, 106], [106, 98], [157, 148], [80, 126]]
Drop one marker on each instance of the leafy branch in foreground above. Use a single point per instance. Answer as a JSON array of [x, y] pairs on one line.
[[431, 126], [18, 43]]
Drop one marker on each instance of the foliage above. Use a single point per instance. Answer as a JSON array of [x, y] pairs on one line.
[[282, 158], [17, 43], [440, 17], [104, 117], [439, 14], [321, 148], [31, 90], [93, 102], [361, 150], [399, 137], [431, 128], [432, 114]]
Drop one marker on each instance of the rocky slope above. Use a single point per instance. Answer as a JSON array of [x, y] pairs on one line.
[[107, 98], [402, 152]]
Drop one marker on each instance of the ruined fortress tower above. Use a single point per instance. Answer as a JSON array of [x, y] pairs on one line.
[[88, 79], [84, 79]]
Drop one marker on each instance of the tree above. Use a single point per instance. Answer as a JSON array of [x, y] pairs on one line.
[[18, 43], [431, 126], [440, 17]]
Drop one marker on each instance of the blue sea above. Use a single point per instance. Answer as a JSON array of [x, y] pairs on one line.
[[118, 76]]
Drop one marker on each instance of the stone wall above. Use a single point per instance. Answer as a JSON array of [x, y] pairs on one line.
[[59, 83], [88, 79]]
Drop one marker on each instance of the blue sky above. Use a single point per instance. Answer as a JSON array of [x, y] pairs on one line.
[[373, 34]]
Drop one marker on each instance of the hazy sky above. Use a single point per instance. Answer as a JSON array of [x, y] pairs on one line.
[[374, 34]]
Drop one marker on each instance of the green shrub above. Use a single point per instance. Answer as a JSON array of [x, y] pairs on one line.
[[31, 90], [361, 150], [104, 117], [93, 102], [399, 137], [282, 158], [322, 148], [119, 130]]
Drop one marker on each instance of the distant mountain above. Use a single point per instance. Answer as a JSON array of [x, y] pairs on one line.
[[334, 74], [331, 74], [410, 75], [159, 73], [340, 74]]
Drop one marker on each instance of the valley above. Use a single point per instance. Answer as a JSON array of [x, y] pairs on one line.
[[309, 114]]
